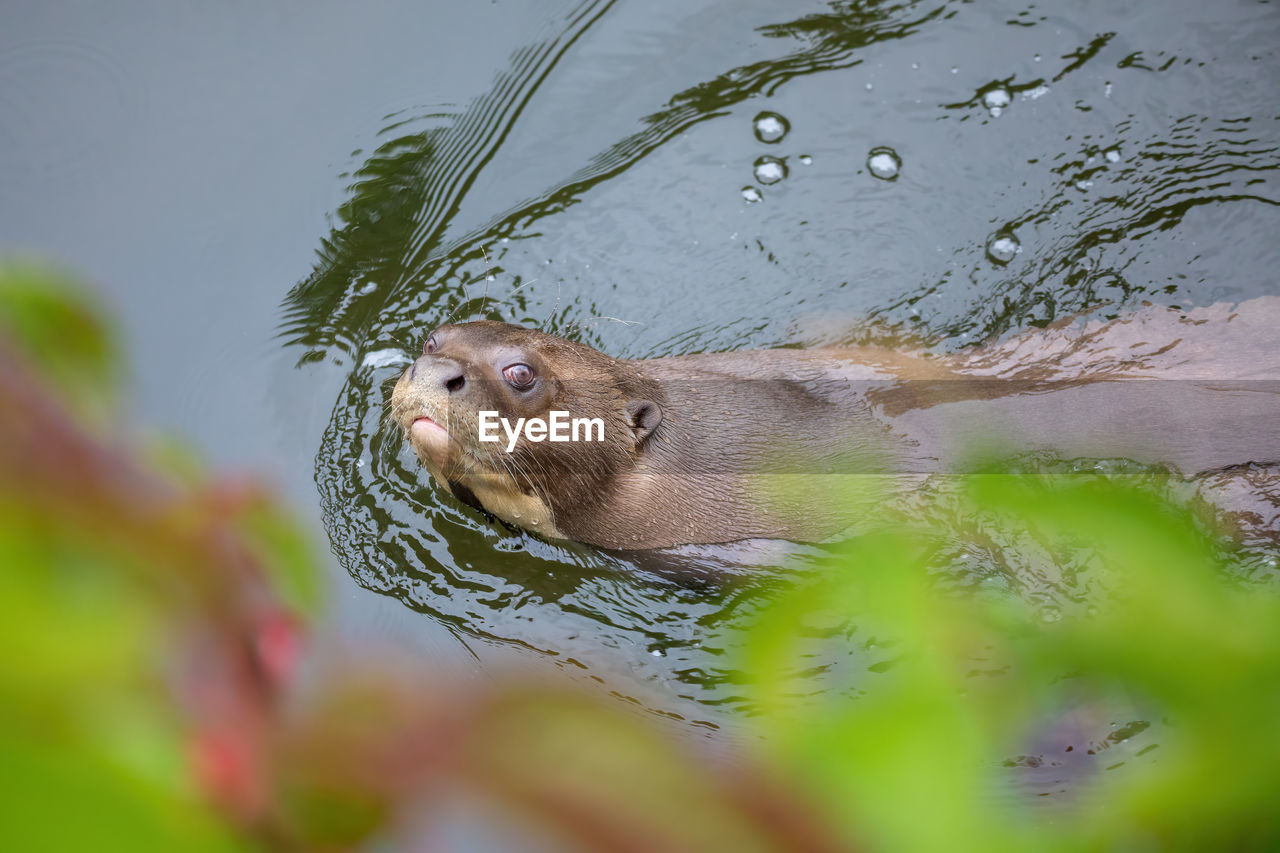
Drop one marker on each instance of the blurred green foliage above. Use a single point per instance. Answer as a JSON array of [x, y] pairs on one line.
[[56, 321], [149, 698], [917, 760], [91, 749]]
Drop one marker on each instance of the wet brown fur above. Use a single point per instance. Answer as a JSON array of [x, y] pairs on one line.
[[730, 446]]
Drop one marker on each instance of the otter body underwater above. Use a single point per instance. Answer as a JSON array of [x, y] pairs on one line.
[[772, 444]]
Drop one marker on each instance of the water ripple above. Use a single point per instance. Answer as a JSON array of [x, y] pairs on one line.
[[1093, 202]]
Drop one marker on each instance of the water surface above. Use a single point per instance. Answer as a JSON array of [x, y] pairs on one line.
[[674, 180]]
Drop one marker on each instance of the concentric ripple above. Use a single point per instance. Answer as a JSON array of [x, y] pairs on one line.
[[990, 233]]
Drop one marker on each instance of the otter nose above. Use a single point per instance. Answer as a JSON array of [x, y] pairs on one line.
[[454, 381], [432, 369]]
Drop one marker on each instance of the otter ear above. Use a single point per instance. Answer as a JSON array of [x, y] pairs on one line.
[[644, 416]]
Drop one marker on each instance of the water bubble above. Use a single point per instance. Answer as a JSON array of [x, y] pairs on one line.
[[995, 100], [1112, 155], [1049, 613], [869, 87], [1003, 247], [884, 163], [955, 70], [805, 159], [752, 195], [771, 127], [770, 170]]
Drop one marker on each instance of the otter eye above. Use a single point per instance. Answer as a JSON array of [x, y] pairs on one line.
[[520, 376], [432, 344]]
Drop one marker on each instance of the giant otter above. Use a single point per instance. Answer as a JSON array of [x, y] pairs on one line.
[[771, 443]]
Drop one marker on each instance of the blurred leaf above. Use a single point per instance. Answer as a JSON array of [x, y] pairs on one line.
[[286, 554], [66, 799], [70, 623], [913, 760], [56, 323]]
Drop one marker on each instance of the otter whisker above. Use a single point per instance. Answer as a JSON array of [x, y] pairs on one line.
[[528, 479], [449, 316], [466, 297], [388, 410], [523, 469], [488, 277], [591, 321], [451, 427], [391, 419], [553, 309], [520, 287]]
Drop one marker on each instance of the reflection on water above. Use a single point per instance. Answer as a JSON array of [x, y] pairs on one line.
[[1031, 166]]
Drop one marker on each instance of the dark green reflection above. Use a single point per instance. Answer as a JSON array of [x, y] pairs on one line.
[[397, 536]]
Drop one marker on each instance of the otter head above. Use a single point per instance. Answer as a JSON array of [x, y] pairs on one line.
[[495, 381]]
